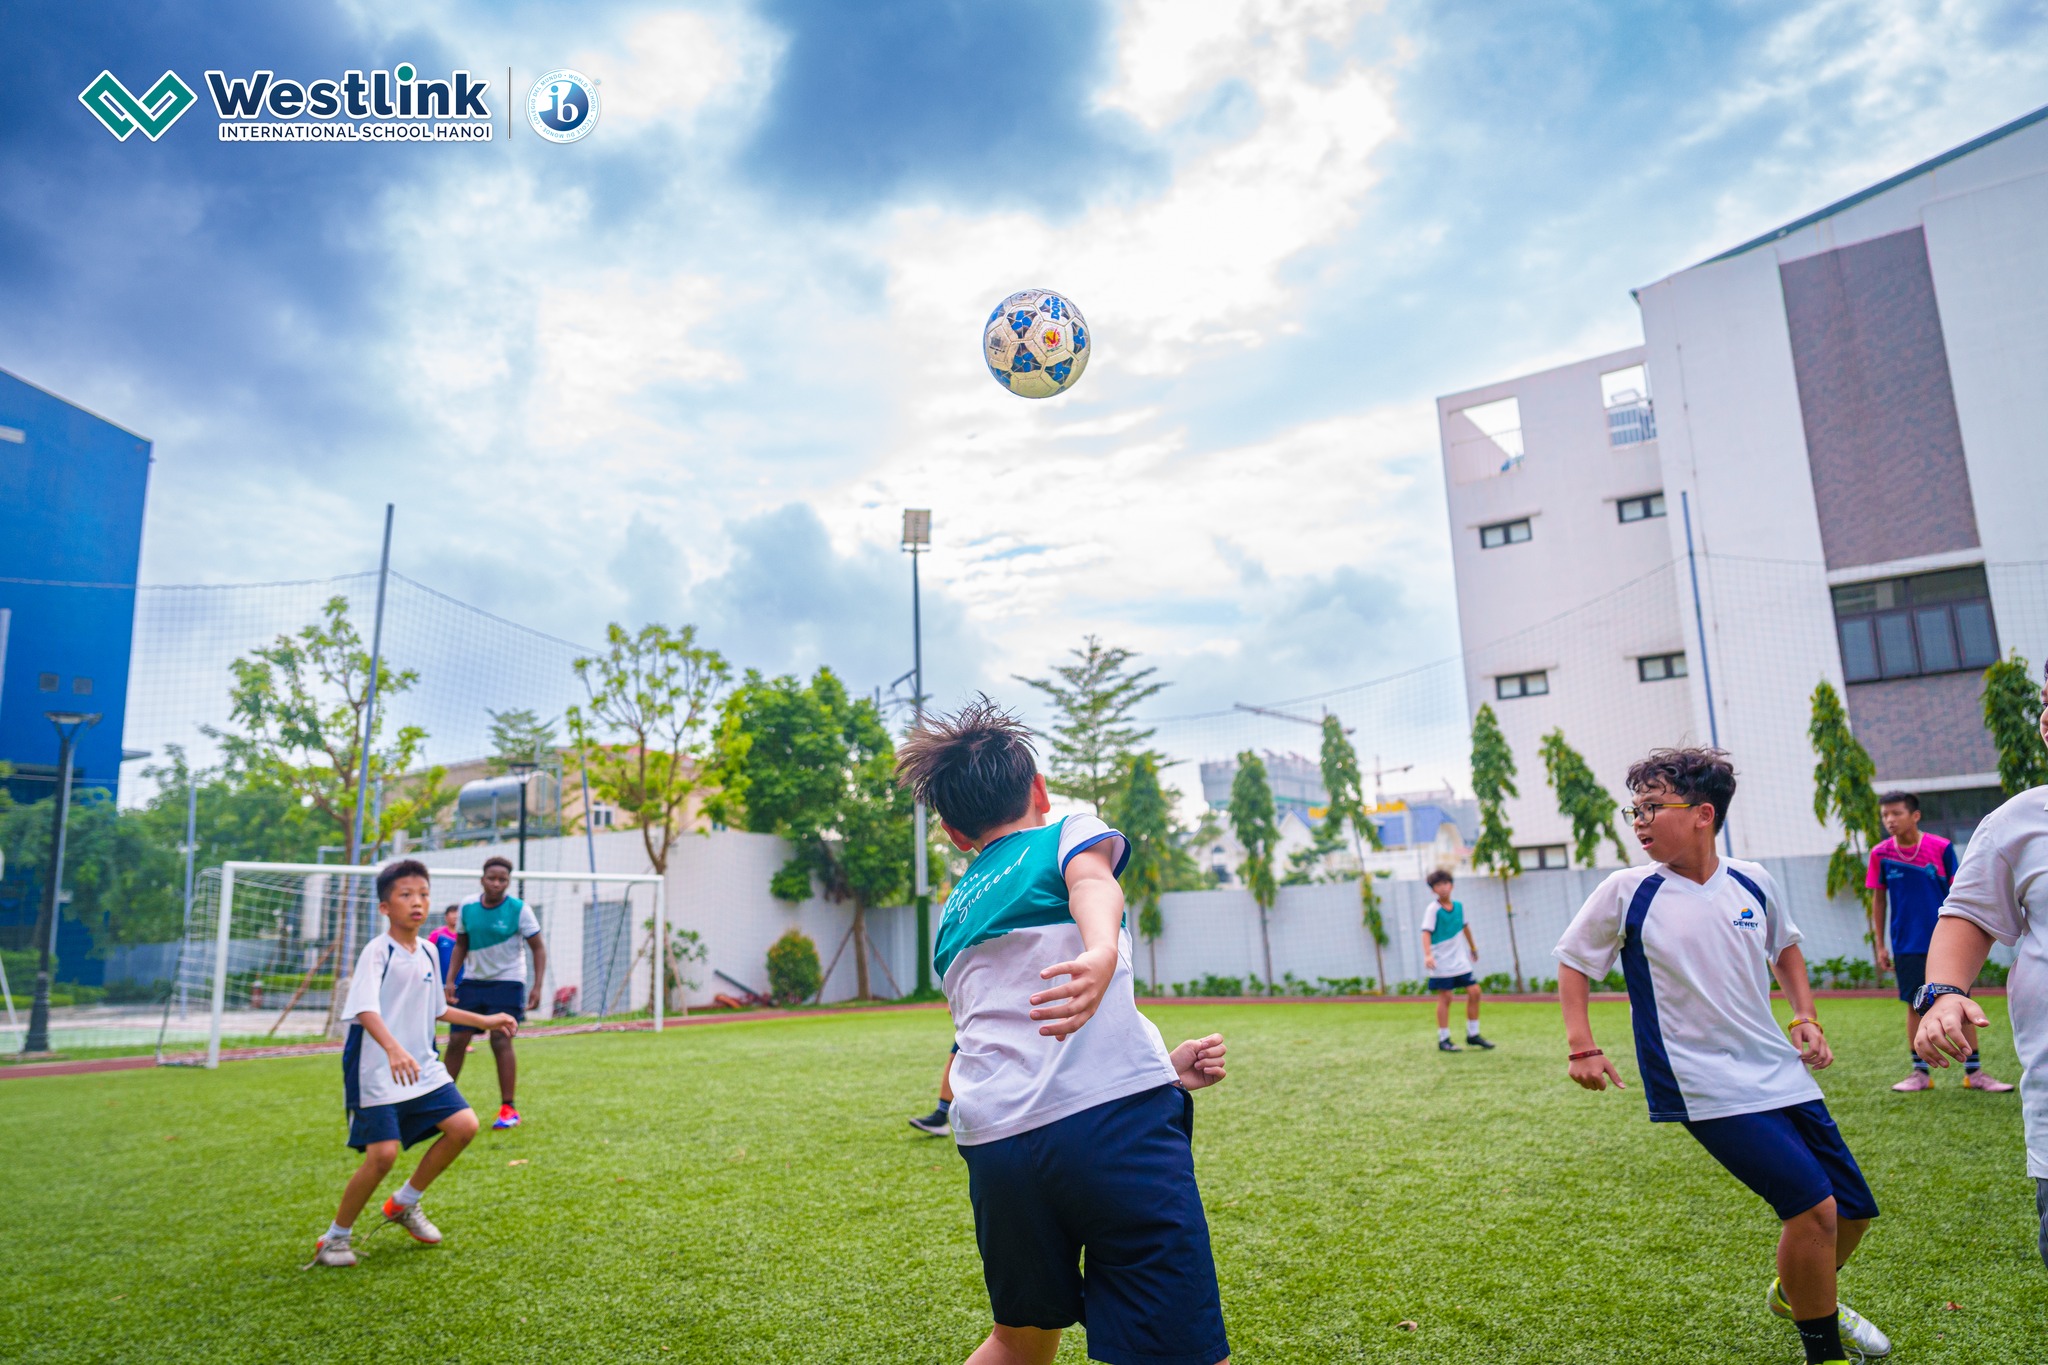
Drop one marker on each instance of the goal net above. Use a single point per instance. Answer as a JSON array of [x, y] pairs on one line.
[[266, 959]]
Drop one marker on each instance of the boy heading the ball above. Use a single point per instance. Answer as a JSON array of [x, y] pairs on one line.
[[393, 1084], [1073, 1118], [1699, 937]]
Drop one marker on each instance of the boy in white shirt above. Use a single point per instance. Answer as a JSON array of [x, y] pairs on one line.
[[488, 972], [1699, 937], [1073, 1118], [393, 1096], [1449, 953]]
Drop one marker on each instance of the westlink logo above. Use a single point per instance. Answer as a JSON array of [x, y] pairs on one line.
[[122, 113], [395, 106]]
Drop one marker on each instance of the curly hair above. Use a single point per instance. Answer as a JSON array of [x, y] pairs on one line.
[[973, 767], [391, 874], [1701, 775]]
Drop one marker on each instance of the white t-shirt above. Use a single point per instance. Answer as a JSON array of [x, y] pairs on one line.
[[1453, 957], [504, 960], [1005, 922], [404, 988], [2002, 888], [1697, 959]]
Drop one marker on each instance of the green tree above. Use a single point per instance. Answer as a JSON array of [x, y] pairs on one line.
[[2012, 713], [1143, 810], [125, 886], [1493, 782], [1375, 924], [519, 736], [1257, 828], [651, 694], [1345, 787], [1581, 799], [1844, 790], [1093, 737], [299, 702], [809, 763]]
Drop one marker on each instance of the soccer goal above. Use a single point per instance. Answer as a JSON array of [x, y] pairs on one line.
[[266, 959]]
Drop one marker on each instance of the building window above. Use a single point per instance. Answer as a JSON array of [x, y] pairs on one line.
[[81, 687], [1508, 686], [1544, 858], [1630, 418], [1907, 627], [1640, 509], [1503, 533], [47, 682], [1659, 667]]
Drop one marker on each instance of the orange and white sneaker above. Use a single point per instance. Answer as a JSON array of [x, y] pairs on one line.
[[413, 1221], [332, 1251], [508, 1117], [1984, 1080]]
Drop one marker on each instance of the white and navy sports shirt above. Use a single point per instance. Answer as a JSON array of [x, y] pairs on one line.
[[1007, 920], [404, 988], [1697, 959]]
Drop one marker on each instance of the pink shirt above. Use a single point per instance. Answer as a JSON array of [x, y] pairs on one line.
[[1926, 853]]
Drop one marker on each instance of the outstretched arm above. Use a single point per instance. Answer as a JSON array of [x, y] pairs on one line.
[[1097, 904], [1955, 955]]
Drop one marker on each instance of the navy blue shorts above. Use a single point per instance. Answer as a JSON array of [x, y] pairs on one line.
[[1116, 1183], [1450, 983], [489, 997], [407, 1121], [1792, 1157], [1911, 969]]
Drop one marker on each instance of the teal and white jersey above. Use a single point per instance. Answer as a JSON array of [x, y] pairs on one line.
[[1446, 930], [1006, 921]]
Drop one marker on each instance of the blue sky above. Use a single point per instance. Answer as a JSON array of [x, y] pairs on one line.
[[692, 366]]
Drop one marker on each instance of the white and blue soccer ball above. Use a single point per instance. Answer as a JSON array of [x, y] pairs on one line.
[[1036, 343]]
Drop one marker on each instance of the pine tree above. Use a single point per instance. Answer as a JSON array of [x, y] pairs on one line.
[[1257, 828], [1093, 737], [1493, 781], [1346, 789], [1844, 789], [2012, 713], [1145, 815], [1581, 799]]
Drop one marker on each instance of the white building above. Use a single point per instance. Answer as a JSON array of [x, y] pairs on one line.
[[1846, 454]]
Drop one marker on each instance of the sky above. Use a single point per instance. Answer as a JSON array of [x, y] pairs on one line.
[[692, 367]]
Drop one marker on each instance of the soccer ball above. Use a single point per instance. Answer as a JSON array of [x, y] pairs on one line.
[[1036, 343]]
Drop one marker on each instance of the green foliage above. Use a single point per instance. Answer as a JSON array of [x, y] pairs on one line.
[[2012, 713], [1581, 799], [520, 736], [794, 973], [650, 693], [1253, 820], [1843, 790], [685, 947], [1143, 810], [299, 703], [1093, 738], [126, 887], [1493, 782]]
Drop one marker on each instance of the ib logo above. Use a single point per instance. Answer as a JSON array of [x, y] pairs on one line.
[[562, 106], [121, 113]]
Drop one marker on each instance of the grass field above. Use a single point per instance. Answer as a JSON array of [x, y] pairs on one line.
[[750, 1192]]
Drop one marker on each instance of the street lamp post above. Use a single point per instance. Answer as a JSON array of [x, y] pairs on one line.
[[917, 538], [68, 724], [525, 767]]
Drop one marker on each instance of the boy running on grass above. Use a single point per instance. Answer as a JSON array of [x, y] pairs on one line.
[[487, 973], [1073, 1118], [1699, 937], [1449, 953], [1909, 876], [393, 1096]]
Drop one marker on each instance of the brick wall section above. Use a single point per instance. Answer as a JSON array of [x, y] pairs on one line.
[[1882, 440], [1923, 727]]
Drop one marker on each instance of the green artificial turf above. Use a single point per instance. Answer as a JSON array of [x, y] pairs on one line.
[[750, 1192]]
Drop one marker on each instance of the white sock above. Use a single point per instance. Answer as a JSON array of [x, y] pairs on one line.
[[1443, 1035], [1471, 1028], [407, 1196], [335, 1233]]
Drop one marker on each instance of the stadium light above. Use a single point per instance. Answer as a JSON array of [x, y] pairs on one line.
[[69, 724], [917, 537]]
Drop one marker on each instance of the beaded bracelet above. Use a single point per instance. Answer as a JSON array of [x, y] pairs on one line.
[[1797, 1022], [1581, 1056]]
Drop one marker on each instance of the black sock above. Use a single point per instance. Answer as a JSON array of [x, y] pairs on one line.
[[1918, 1064], [945, 1106], [1973, 1066], [1822, 1338]]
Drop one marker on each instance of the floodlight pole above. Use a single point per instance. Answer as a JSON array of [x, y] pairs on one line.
[[68, 724], [355, 848], [917, 536]]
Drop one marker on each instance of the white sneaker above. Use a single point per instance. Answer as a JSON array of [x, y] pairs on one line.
[[409, 1217], [337, 1253], [1857, 1331]]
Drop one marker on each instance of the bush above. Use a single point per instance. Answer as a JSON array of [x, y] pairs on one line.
[[1498, 983], [1543, 985], [1345, 985], [1993, 974], [794, 974], [1409, 988], [1613, 981], [1213, 985], [137, 992]]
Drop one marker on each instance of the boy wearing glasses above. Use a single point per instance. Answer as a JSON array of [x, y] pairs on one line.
[[1699, 937]]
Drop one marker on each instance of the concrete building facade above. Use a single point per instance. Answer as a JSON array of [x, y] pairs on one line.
[[1848, 460]]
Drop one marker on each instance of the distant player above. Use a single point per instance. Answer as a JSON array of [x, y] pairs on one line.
[[1909, 876], [443, 938], [1699, 937], [1073, 1118], [396, 1090], [1449, 953], [488, 976]]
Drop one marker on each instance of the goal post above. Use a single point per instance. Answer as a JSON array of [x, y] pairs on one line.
[[272, 944]]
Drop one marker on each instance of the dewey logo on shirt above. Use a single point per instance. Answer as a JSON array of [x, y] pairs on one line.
[[1747, 920]]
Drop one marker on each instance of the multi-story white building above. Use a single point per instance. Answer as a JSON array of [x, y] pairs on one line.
[[1844, 478]]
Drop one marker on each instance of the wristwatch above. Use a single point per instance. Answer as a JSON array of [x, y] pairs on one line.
[[1933, 991]]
